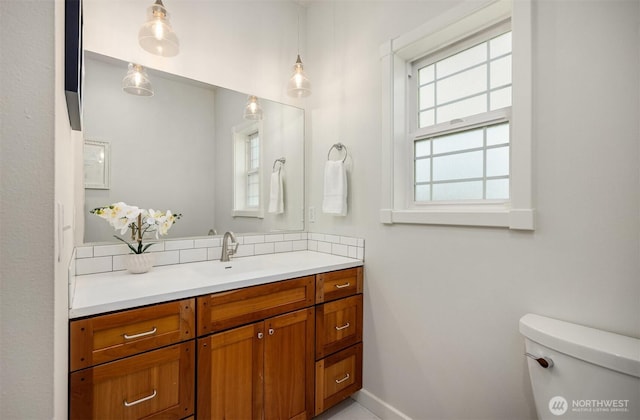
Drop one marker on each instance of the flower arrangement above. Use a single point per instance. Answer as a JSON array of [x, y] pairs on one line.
[[124, 217]]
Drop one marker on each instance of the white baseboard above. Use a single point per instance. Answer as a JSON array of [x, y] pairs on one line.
[[378, 407]]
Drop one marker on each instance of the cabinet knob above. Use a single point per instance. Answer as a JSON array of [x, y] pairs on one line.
[[271, 331], [260, 335]]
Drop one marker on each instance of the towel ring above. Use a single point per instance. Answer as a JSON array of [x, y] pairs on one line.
[[338, 147], [275, 162]]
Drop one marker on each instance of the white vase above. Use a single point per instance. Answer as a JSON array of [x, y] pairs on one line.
[[139, 263]]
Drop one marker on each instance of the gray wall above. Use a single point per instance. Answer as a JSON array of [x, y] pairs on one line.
[[37, 150], [162, 148], [442, 303]]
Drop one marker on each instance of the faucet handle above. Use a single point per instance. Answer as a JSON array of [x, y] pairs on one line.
[[232, 251]]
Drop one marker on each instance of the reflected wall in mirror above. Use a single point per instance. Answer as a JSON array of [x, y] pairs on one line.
[[175, 150]]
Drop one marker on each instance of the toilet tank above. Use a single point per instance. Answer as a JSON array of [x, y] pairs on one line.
[[594, 374]]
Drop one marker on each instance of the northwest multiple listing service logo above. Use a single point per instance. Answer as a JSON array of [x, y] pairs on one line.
[[559, 405]]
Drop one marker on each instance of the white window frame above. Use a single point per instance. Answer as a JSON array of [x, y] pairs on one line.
[[241, 134], [397, 56]]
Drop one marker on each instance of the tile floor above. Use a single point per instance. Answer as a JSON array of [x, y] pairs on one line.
[[347, 410]]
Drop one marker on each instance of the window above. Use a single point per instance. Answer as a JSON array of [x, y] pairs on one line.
[[468, 85], [457, 119], [247, 166], [253, 171]]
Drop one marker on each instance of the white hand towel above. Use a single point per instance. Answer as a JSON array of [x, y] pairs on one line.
[[335, 188], [276, 196]]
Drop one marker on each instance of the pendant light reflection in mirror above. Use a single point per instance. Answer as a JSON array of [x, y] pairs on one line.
[[253, 110], [137, 82], [299, 85], [156, 35]]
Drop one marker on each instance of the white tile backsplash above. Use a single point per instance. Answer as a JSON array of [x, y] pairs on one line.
[[285, 246], [176, 245], [84, 252], [338, 249], [324, 247], [266, 248], [167, 257], [207, 243], [257, 239], [94, 265], [103, 251], [193, 255], [104, 258]]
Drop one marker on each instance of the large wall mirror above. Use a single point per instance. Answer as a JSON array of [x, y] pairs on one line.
[[178, 149]]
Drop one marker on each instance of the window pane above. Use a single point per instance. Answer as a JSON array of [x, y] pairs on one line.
[[498, 134], [458, 141], [498, 161], [427, 96], [427, 118], [423, 170], [423, 192], [462, 60], [463, 84], [458, 191], [501, 98], [462, 109], [501, 72], [497, 189], [459, 166], [500, 45], [423, 148], [426, 74]]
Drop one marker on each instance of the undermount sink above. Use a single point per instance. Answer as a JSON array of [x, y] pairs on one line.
[[235, 266]]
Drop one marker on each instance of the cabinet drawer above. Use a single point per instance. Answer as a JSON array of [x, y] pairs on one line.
[[225, 310], [338, 376], [338, 284], [109, 337], [338, 325], [156, 384]]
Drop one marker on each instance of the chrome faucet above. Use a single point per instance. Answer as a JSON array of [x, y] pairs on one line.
[[227, 252]]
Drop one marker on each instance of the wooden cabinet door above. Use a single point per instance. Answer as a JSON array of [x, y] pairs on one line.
[[157, 384], [288, 366], [230, 366]]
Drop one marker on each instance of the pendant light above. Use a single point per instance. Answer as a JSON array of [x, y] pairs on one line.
[[253, 110], [299, 85], [156, 35], [137, 82]]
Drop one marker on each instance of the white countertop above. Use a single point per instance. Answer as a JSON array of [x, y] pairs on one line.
[[105, 292]]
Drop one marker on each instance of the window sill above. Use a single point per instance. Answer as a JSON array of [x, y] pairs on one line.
[[257, 214], [517, 219]]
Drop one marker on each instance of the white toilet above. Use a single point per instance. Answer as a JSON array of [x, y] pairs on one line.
[[581, 373]]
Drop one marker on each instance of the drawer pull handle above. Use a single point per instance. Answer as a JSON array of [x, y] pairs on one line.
[[342, 286], [339, 381], [131, 337], [347, 325], [147, 398]]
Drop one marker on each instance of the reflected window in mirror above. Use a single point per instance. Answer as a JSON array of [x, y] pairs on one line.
[[247, 150]]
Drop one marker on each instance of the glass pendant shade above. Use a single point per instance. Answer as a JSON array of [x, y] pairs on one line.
[[299, 85], [156, 35], [253, 110], [136, 82]]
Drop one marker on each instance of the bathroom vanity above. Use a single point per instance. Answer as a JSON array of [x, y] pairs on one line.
[[268, 342]]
